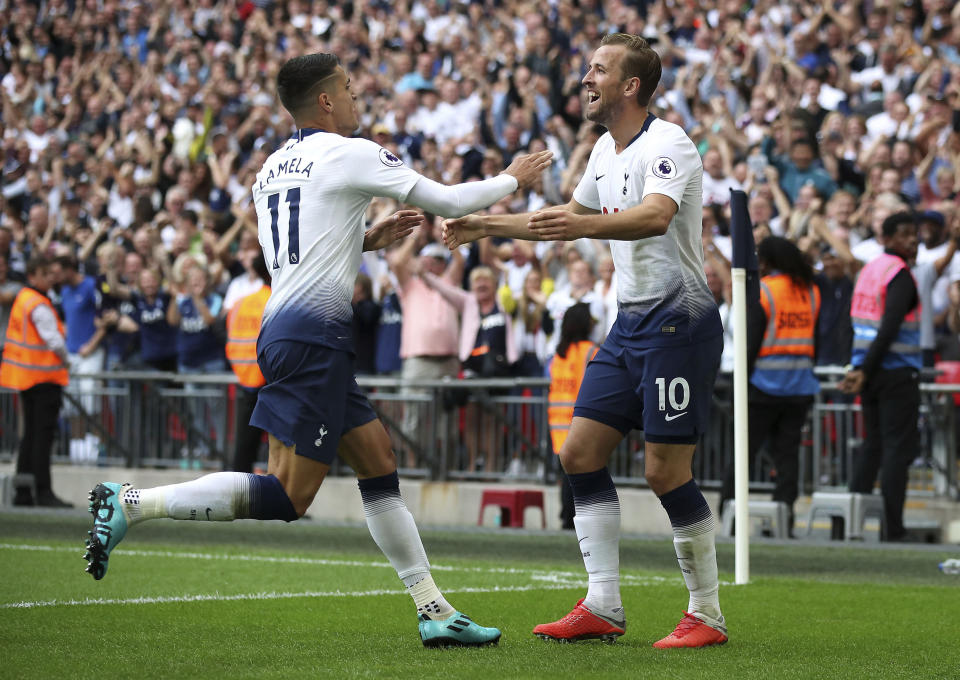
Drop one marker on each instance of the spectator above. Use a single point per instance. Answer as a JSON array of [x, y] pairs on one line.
[[158, 339], [34, 364], [886, 362], [430, 329], [579, 289], [81, 306], [366, 315], [389, 330], [799, 169], [8, 294], [486, 347], [243, 327], [196, 314], [566, 370], [781, 354]]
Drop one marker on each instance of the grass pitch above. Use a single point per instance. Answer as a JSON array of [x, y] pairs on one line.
[[267, 600]]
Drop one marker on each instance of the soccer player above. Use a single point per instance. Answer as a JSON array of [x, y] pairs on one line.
[[311, 196], [655, 371]]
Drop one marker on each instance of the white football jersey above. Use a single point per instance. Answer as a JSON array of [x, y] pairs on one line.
[[311, 196], [660, 280]]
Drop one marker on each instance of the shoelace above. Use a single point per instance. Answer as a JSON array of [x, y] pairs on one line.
[[574, 616], [687, 624]]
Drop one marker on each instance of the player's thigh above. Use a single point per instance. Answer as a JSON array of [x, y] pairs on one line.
[[676, 386], [300, 477], [365, 445], [588, 445], [608, 392], [306, 400]]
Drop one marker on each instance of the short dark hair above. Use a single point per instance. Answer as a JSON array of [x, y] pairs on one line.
[[892, 223], [641, 61], [299, 77], [36, 263], [68, 262]]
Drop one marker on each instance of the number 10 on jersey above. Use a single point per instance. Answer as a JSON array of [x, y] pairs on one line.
[[292, 199]]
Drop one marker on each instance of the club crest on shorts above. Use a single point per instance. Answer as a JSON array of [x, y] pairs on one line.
[[318, 442], [389, 159], [664, 167]]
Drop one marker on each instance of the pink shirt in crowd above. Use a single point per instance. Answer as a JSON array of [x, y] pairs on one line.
[[430, 325]]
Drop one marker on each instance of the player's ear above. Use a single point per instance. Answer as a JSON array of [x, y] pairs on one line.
[[325, 102], [632, 87]]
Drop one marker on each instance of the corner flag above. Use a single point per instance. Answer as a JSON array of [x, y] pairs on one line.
[[746, 287]]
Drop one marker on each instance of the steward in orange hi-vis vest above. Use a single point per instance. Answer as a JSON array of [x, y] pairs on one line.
[[784, 364], [243, 328], [566, 374], [27, 361]]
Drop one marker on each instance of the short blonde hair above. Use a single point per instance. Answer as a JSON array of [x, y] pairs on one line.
[[480, 272]]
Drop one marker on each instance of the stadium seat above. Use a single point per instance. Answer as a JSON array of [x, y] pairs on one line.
[[854, 508], [776, 513], [512, 503], [948, 372]]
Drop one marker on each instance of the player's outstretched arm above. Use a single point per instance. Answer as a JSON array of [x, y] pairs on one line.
[[390, 229], [650, 218], [463, 199], [459, 231]]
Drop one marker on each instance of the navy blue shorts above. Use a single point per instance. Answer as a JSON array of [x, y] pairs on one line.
[[664, 391], [311, 398]]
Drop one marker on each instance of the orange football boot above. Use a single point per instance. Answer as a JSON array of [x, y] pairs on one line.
[[582, 624], [694, 632]]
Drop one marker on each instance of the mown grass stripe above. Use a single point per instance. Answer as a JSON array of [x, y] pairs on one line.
[[262, 596], [314, 561]]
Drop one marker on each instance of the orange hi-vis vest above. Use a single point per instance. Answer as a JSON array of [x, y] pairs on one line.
[[27, 361], [784, 364], [243, 329], [566, 374]]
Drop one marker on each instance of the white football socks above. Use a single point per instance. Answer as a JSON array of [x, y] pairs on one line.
[[214, 497], [697, 556], [599, 537], [392, 527]]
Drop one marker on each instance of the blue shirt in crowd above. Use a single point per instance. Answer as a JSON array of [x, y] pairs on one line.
[[81, 306], [197, 344], [158, 339]]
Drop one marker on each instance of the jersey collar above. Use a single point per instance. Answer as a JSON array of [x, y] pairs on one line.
[[646, 125], [303, 133]]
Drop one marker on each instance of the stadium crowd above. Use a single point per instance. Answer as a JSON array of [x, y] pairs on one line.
[[132, 134]]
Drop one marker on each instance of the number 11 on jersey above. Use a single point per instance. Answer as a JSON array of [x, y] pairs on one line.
[[293, 228]]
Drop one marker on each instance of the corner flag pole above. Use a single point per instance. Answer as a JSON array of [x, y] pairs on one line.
[[745, 288]]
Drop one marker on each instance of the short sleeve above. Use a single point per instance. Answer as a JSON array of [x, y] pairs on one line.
[[372, 169], [586, 193], [673, 162]]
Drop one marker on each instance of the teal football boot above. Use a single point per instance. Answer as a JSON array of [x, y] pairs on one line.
[[109, 526], [456, 631]]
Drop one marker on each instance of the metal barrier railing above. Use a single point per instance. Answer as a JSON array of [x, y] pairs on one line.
[[481, 429]]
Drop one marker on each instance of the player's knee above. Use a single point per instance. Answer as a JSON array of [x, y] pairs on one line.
[[301, 502], [374, 463], [663, 478]]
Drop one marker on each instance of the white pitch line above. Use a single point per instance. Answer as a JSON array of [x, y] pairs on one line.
[[319, 562], [256, 596]]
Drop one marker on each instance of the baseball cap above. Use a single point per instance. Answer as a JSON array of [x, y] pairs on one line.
[[931, 216], [435, 250], [380, 129]]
